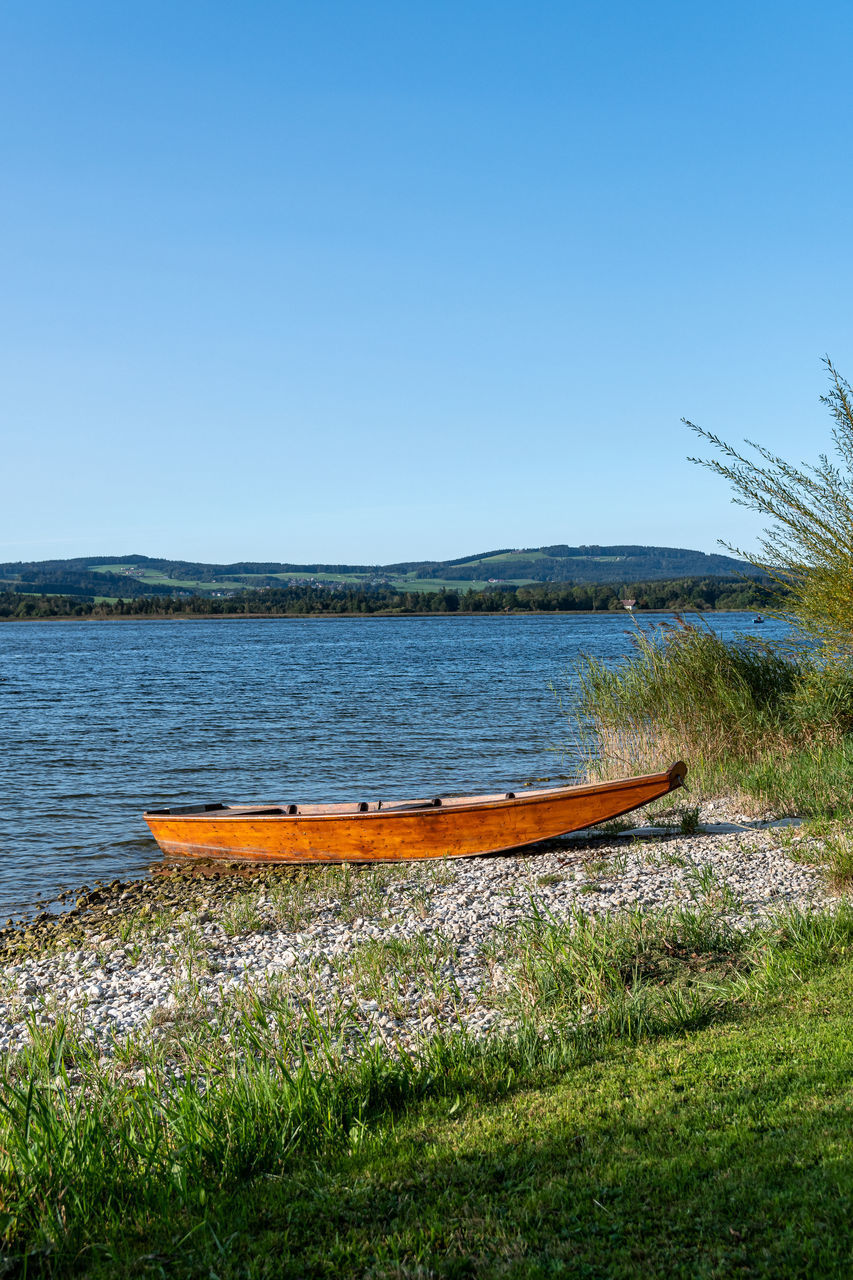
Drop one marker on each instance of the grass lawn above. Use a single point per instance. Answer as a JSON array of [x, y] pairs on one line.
[[723, 1150]]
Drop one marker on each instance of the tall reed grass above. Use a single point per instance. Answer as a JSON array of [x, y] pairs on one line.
[[775, 722]]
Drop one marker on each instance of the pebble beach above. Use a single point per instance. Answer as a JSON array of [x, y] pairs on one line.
[[383, 954]]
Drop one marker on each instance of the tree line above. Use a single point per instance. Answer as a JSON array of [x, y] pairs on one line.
[[301, 600]]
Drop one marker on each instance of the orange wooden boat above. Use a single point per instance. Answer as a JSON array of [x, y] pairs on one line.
[[402, 830]]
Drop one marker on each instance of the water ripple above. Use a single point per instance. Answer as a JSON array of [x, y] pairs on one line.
[[101, 720]]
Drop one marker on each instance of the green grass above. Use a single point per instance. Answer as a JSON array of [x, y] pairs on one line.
[[694, 1122], [409, 582], [352, 579], [454, 584], [496, 560], [751, 720], [725, 1151], [826, 843], [157, 578], [113, 568], [489, 562]]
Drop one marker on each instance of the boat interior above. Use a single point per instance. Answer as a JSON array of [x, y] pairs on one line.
[[363, 806]]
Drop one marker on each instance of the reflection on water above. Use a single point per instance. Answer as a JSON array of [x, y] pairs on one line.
[[104, 719]]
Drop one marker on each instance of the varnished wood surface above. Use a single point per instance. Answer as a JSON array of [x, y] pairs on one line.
[[459, 827]]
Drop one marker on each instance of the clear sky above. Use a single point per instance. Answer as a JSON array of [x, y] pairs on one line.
[[376, 281]]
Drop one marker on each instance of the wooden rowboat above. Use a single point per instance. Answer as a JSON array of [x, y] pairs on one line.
[[450, 827]]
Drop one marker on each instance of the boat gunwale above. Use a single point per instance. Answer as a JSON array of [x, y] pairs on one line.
[[348, 811]]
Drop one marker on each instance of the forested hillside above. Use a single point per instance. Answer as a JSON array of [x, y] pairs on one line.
[[134, 576]]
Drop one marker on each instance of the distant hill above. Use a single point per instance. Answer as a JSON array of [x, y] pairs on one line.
[[563, 563], [132, 576]]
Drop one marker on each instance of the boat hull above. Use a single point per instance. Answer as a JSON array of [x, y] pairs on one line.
[[459, 827]]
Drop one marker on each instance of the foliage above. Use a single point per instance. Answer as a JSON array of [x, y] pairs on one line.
[[808, 549], [685, 593], [668, 1134], [137, 575], [743, 714]]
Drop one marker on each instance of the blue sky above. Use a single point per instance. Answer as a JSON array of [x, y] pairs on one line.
[[379, 281]]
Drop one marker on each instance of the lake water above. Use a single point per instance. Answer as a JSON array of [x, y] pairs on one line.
[[101, 720]]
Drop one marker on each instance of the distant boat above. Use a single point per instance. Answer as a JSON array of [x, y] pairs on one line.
[[403, 830], [758, 618]]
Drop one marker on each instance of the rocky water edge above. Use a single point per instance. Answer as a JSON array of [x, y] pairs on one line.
[[381, 954]]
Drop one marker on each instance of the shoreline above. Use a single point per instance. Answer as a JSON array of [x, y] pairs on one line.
[[383, 954], [301, 617]]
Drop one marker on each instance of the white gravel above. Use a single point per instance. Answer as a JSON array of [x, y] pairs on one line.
[[462, 912]]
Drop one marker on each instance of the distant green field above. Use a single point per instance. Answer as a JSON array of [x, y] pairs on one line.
[[156, 578], [108, 568], [454, 584], [408, 582], [517, 567], [489, 561], [492, 562], [355, 579], [405, 583]]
